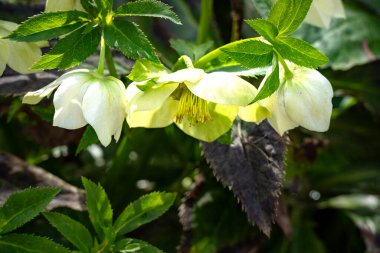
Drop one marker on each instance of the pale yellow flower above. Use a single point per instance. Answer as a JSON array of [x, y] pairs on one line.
[[63, 5], [323, 11]]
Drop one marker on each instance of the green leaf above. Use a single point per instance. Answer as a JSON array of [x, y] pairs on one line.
[[129, 39], [89, 137], [193, 50], [22, 243], [50, 25], [99, 207], [104, 7], [148, 8], [70, 51], [287, 15], [250, 53], [264, 27], [23, 206], [145, 69], [299, 52], [142, 211], [72, 230], [90, 7], [271, 84], [135, 246]]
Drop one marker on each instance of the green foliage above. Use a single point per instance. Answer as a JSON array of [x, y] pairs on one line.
[[47, 26], [89, 138], [135, 246], [148, 8], [271, 84], [23, 206], [265, 28], [191, 49], [145, 69], [142, 211], [70, 51]]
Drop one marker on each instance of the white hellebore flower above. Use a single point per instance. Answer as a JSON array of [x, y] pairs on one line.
[[83, 97], [323, 11], [19, 56], [302, 100], [202, 105], [63, 5]]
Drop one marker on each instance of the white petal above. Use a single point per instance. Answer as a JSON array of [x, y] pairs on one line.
[[253, 113], [8, 26], [35, 97], [104, 106], [224, 88], [308, 100], [151, 98], [4, 55], [182, 76], [317, 17], [22, 56], [59, 5], [332, 8], [68, 101]]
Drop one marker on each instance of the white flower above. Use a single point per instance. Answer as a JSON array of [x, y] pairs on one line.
[[302, 100], [323, 11], [202, 105], [19, 56], [83, 97], [63, 5]]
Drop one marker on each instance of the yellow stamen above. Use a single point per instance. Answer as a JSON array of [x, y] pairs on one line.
[[192, 106]]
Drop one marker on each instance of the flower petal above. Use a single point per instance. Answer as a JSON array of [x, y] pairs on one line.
[[8, 26], [222, 117], [332, 8], [160, 117], [4, 55], [22, 56], [151, 98], [317, 17], [104, 106], [190, 75], [68, 101], [35, 97], [308, 100], [223, 88], [253, 113]]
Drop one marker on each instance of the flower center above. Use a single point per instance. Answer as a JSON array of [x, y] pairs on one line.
[[192, 106]]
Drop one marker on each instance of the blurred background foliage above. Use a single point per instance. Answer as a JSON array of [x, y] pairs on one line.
[[330, 200]]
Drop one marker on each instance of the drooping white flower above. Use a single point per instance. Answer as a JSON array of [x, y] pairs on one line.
[[323, 11], [19, 56], [302, 100], [83, 97], [63, 5], [202, 105]]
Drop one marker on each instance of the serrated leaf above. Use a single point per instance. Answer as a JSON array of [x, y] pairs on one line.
[[136, 246], [90, 7], [142, 211], [299, 52], [99, 207], [193, 50], [148, 8], [70, 51], [72, 230], [271, 84], [264, 27], [287, 15], [23, 206], [250, 53], [129, 39], [253, 168], [49, 25], [22, 243], [145, 69], [104, 7], [89, 138]]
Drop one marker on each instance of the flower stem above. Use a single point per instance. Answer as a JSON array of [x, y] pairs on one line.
[[205, 20], [288, 72], [110, 63], [102, 56]]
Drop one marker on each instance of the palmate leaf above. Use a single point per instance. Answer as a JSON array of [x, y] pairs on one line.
[[129, 39], [71, 50], [299, 52], [72, 230], [142, 211], [50, 25], [99, 207], [253, 168], [250, 53], [23, 206], [135, 246], [22, 243], [148, 8]]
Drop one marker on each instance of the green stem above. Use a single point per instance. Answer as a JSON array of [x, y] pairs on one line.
[[102, 57], [110, 63], [205, 20], [288, 72]]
